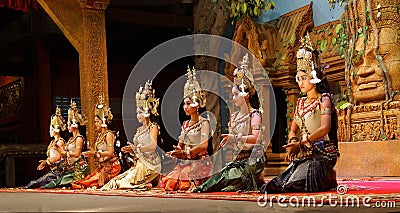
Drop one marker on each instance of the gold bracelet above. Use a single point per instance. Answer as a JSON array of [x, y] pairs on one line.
[[293, 138]]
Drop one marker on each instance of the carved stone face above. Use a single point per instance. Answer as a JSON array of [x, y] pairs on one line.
[[368, 80]]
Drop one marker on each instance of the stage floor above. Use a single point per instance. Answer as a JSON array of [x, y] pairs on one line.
[[49, 202], [367, 195]]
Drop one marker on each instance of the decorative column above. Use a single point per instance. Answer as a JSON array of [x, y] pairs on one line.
[[93, 63], [83, 23]]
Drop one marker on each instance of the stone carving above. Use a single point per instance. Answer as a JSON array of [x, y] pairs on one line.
[[371, 44], [11, 99], [372, 58], [274, 43], [93, 62], [327, 41], [369, 122]]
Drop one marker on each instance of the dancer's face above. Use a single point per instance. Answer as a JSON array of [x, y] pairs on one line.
[[97, 123], [140, 115], [71, 129], [238, 99], [303, 80], [189, 110]]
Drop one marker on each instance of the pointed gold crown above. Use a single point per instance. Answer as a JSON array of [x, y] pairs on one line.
[[307, 59], [57, 121], [193, 90], [242, 76], [145, 98], [103, 111], [74, 117], [305, 55]]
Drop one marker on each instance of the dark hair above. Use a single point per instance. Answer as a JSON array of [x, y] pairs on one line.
[[82, 131], [323, 87], [64, 134]]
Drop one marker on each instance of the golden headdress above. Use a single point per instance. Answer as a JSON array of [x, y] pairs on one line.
[[243, 77], [307, 60], [74, 117], [145, 98], [57, 122], [193, 90], [103, 112]]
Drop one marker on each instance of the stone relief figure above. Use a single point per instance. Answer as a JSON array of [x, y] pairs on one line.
[[374, 131], [391, 130], [373, 59]]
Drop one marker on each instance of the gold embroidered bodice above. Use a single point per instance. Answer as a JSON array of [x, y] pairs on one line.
[[242, 125], [143, 137], [101, 144], [191, 135], [309, 116], [51, 150], [71, 147]]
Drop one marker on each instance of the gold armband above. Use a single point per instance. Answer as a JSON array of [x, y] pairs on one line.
[[326, 111]]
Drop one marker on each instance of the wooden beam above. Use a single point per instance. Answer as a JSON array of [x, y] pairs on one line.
[[68, 16], [148, 18]]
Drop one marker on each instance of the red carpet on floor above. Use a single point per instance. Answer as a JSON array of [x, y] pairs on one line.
[[375, 189]]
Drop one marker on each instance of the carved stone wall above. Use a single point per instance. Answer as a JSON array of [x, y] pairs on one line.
[[274, 44], [372, 46], [372, 122], [10, 99], [327, 40]]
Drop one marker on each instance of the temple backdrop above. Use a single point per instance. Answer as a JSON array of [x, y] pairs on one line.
[[322, 13]]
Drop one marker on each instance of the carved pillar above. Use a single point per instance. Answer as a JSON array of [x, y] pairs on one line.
[[93, 63], [83, 24]]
